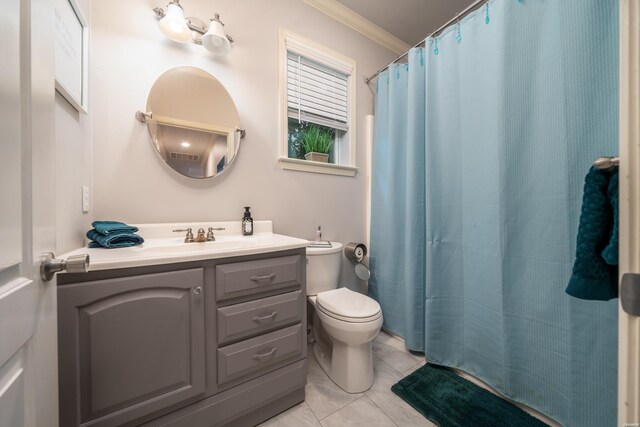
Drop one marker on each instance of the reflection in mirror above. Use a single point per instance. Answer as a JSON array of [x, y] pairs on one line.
[[193, 122]]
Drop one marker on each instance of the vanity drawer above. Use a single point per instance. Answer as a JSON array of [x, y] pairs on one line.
[[259, 316], [260, 354], [249, 277]]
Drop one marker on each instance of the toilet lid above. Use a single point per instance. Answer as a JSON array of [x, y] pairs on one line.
[[347, 304]]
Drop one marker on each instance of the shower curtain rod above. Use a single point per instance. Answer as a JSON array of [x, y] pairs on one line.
[[473, 6]]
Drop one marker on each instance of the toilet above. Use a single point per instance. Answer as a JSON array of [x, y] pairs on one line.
[[344, 322]]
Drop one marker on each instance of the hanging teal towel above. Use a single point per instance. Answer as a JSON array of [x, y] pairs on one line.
[[114, 240], [610, 253], [108, 227], [594, 277]]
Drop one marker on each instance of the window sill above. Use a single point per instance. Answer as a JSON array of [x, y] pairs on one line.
[[317, 167]]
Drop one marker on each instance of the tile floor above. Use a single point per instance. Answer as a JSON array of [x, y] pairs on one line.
[[328, 405]]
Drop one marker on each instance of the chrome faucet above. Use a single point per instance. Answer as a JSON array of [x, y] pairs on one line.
[[200, 236]]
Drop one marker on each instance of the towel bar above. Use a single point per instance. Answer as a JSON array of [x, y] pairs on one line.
[[606, 162], [143, 116]]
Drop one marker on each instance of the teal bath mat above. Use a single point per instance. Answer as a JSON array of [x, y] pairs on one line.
[[449, 400]]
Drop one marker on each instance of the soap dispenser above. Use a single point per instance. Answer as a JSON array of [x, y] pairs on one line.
[[247, 222]]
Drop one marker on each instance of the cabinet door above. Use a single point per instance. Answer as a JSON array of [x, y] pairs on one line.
[[129, 347]]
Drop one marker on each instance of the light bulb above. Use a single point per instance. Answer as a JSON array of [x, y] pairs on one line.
[[174, 25], [215, 40]]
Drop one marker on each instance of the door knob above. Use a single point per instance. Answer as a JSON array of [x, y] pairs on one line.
[[50, 265]]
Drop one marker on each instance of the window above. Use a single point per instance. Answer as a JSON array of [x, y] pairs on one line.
[[317, 94]]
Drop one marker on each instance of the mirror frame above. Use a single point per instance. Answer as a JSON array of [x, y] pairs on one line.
[[233, 135]]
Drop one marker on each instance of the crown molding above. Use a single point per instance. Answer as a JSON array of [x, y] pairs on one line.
[[357, 22]]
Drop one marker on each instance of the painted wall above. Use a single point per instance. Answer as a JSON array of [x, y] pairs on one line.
[[73, 167], [128, 52]]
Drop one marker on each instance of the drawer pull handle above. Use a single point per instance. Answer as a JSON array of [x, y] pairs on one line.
[[260, 278], [265, 318], [265, 355]]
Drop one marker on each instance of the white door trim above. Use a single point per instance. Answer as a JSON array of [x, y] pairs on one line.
[[629, 326]]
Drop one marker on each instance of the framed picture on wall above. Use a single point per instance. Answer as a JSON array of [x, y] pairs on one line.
[[71, 53]]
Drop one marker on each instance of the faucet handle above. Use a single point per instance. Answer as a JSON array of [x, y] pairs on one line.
[[210, 236], [189, 237]]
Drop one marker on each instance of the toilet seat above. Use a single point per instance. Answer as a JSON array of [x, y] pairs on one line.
[[348, 306], [346, 319]]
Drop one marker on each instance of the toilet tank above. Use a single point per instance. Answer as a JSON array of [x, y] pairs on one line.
[[323, 268]]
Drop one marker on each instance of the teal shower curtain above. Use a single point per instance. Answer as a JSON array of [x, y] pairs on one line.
[[398, 200], [521, 97]]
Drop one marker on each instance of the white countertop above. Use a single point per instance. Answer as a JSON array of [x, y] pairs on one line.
[[162, 246]]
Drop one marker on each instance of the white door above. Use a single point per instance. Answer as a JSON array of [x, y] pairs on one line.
[[28, 340], [629, 326]]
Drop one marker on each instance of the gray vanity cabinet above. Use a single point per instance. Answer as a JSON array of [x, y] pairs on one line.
[[130, 346], [206, 343]]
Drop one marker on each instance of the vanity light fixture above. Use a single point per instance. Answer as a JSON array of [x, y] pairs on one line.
[[174, 25], [215, 40], [182, 30]]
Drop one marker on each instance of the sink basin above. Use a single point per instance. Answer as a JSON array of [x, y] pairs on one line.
[[187, 248]]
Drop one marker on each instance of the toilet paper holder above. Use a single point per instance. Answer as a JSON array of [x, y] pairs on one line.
[[355, 252]]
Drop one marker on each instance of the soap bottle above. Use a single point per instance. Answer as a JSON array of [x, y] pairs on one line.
[[319, 234], [247, 222]]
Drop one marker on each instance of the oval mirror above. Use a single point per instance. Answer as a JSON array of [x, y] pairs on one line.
[[193, 122]]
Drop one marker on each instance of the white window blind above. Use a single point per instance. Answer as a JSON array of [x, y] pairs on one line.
[[316, 93]]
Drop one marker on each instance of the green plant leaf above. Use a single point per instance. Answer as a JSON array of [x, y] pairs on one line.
[[317, 139]]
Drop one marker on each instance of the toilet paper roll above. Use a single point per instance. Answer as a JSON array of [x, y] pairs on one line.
[[355, 251]]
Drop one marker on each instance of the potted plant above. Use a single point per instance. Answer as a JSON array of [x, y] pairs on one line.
[[317, 142]]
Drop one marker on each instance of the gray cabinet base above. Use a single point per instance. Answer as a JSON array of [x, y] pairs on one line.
[[246, 404]]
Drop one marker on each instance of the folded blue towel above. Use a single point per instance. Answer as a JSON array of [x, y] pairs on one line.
[[593, 278], [108, 227], [113, 240]]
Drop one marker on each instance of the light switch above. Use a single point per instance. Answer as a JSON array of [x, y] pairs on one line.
[[85, 199]]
